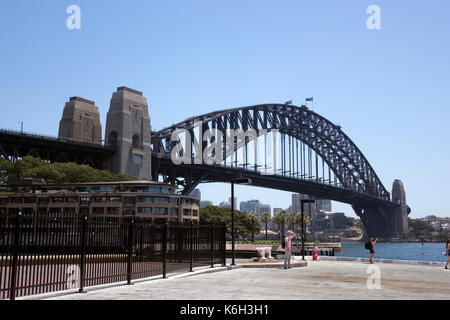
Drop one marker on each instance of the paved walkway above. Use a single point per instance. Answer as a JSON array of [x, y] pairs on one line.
[[319, 280]]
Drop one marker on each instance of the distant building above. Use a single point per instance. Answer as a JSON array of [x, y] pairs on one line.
[[327, 221], [235, 201], [311, 209], [243, 206], [276, 210], [225, 205], [205, 203], [262, 208]]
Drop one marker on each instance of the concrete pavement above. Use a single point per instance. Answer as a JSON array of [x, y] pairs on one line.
[[318, 280]]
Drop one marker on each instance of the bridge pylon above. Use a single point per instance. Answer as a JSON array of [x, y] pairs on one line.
[[386, 222], [128, 129]]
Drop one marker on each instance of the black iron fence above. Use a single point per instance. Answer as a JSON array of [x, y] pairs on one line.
[[45, 254]]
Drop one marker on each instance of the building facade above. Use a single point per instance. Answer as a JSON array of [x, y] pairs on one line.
[[154, 201]]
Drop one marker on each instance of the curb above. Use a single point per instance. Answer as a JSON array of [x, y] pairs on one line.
[[298, 264], [391, 261]]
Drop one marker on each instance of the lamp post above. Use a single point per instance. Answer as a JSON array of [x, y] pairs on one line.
[[238, 181], [302, 205]]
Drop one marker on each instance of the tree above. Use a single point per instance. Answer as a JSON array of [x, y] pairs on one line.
[[59, 173], [280, 220], [244, 226], [298, 219], [419, 227], [265, 218], [290, 220], [253, 222]]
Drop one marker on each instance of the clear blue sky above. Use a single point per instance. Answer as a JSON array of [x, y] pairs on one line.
[[388, 88]]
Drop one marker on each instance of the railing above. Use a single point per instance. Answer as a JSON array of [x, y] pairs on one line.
[[42, 255], [54, 139]]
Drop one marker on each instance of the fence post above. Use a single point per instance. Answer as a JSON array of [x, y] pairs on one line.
[[191, 247], [83, 253], [164, 250], [15, 255], [224, 245], [212, 245], [130, 250]]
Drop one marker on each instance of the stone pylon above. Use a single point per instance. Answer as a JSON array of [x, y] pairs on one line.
[[80, 121], [402, 211], [128, 128]]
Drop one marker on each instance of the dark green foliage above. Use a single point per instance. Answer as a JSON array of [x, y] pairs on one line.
[[60, 173], [244, 224]]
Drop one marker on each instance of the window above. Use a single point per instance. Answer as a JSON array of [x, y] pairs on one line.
[[29, 200], [99, 199], [164, 190], [98, 211], [160, 211], [129, 200], [112, 140], [71, 199], [114, 199], [58, 199], [187, 212], [173, 201], [112, 211], [160, 199], [195, 213], [16, 200], [145, 199], [42, 201], [145, 210], [128, 211], [136, 141], [174, 212]]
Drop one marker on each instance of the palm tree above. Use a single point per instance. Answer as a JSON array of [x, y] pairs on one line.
[[280, 219], [298, 219], [265, 218], [253, 221], [290, 219]]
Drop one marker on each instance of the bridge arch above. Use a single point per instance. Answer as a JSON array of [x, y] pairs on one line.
[[327, 140]]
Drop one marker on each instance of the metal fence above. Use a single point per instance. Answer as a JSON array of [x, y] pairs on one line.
[[45, 254]]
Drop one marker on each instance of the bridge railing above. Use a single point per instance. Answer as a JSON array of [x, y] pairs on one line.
[[52, 138]]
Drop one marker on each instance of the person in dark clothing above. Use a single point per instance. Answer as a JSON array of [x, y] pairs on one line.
[[371, 242]]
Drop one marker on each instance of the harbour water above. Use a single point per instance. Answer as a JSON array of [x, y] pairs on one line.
[[398, 251]]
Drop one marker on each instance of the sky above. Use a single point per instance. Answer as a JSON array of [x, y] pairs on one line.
[[388, 88]]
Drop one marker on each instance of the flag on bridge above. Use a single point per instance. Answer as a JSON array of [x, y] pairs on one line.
[[309, 99], [288, 102]]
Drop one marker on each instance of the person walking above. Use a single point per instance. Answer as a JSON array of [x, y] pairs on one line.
[[447, 249], [370, 245], [287, 249]]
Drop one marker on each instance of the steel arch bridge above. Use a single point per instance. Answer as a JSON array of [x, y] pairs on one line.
[[314, 157]]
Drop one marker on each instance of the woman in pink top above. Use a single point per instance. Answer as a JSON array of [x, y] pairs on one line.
[[287, 249]]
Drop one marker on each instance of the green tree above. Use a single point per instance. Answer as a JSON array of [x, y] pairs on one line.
[[253, 224], [244, 226], [68, 172], [290, 220], [265, 218], [298, 220], [280, 220]]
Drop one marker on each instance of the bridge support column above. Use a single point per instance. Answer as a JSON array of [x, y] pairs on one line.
[[128, 128], [386, 222]]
